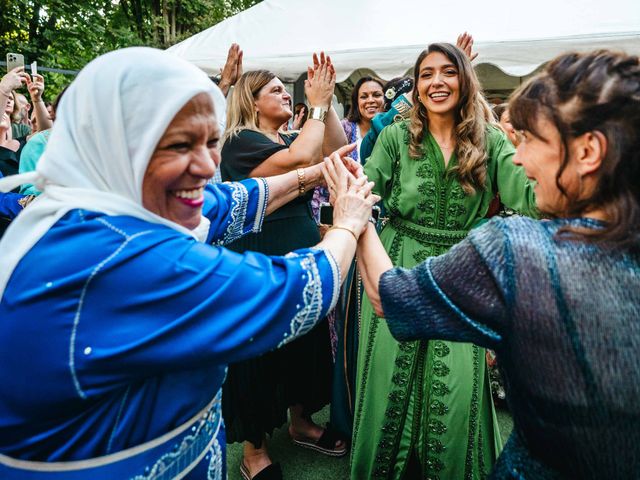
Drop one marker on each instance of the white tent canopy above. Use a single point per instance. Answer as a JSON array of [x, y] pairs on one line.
[[386, 36]]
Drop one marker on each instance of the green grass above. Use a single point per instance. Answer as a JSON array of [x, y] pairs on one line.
[[302, 464]]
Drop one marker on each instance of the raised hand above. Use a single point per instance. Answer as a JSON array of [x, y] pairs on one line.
[[232, 69], [35, 85], [13, 80], [322, 59], [321, 81], [297, 119], [465, 43]]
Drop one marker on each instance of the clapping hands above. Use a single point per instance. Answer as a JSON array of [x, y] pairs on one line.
[[232, 69], [321, 81]]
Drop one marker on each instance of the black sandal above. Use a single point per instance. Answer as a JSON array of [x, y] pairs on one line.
[[326, 444]]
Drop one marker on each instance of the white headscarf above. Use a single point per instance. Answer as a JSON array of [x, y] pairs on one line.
[[108, 125]]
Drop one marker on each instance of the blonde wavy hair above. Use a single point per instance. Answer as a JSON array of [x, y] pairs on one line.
[[472, 116], [241, 110]]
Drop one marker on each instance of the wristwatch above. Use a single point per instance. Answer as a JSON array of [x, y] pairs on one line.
[[317, 113]]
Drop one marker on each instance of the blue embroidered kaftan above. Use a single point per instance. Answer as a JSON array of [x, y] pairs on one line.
[[116, 333]]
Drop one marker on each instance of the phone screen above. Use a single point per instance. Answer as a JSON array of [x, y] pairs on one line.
[[14, 60], [326, 214]]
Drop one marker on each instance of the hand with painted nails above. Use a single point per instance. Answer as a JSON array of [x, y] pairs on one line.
[[321, 82]]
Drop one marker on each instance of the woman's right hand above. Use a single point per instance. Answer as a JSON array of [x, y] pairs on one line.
[[321, 82], [13, 80], [353, 197]]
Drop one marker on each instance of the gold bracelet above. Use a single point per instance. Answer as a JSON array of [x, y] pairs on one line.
[[317, 113], [336, 227], [301, 184]]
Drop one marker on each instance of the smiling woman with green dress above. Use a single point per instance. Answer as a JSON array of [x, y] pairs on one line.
[[559, 299], [424, 408]]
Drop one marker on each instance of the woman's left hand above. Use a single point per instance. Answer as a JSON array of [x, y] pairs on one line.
[[353, 198], [321, 81], [465, 43], [353, 167], [35, 85]]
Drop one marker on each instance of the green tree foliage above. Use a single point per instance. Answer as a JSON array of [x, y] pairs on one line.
[[67, 35]]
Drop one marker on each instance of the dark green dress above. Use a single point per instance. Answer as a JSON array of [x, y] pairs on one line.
[[258, 392]]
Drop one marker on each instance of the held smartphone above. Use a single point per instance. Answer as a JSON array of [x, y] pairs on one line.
[[326, 213], [14, 60], [34, 68]]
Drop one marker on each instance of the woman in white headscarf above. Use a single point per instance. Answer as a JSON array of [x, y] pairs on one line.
[[117, 324]]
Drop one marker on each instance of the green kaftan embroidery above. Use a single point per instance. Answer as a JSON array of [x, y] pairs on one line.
[[429, 398]]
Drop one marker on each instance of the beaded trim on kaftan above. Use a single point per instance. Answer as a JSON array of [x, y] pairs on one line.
[[171, 456], [263, 200], [312, 298], [191, 449], [215, 469], [238, 214]]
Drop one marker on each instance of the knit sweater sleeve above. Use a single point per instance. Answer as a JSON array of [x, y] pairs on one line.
[[457, 296]]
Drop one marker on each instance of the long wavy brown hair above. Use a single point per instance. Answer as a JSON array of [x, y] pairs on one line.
[[472, 116], [585, 92]]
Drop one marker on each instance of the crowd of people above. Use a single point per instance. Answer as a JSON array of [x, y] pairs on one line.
[[169, 282]]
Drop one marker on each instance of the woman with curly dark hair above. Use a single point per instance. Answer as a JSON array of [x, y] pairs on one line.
[[424, 408]]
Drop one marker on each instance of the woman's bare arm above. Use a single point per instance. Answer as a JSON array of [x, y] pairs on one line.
[[306, 150], [334, 136], [373, 261]]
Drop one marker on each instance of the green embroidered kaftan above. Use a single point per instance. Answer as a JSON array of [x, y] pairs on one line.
[[430, 398]]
